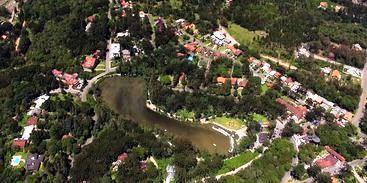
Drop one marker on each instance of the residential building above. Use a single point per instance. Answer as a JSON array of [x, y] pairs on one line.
[[89, 62], [126, 55], [32, 121], [115, 50], [27, 132], [33, 162], [299, 112], [19, 143]]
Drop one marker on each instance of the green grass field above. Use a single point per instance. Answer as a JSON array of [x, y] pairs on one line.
[[233, 163], [231, 123], [243, 35], [176, 3], [185, 114], [162, 165], [264, 89], [258, 117]]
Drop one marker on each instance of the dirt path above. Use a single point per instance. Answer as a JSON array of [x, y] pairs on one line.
[[278, 61], [239, 168]]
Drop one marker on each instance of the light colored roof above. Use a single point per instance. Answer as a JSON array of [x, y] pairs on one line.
[[27, 132], [115, 48], [220, 35]]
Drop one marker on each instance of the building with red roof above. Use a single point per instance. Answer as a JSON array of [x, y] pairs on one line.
[[234, 50], [233, 81], [124, 4], [334, 153], [19, 143], [190, 47], [327, 161], [278, 75], [221, 80], [122, 157], [71, 79], [32, 121], [89, 62], [298, 111], [57, 73], [91, 18], [251, 59]]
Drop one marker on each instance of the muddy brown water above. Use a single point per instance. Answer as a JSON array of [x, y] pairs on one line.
[[126, 96]]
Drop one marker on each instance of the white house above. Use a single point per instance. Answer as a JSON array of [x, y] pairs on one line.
[[27, 132], [39, 101], [115, 50]]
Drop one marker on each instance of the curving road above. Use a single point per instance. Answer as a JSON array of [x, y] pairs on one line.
[[362, 101]]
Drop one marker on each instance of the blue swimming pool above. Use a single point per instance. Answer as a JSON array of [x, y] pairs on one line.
[[15, 160]]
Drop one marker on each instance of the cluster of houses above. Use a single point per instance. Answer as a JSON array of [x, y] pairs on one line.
[[121, 160], [330, 162], [183, 24], [71, 80], [325, 5], [31, 162], [193, 48], [240, 82], [303, 50], [299, 95]]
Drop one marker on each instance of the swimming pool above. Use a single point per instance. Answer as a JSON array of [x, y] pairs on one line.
[[15, 160]]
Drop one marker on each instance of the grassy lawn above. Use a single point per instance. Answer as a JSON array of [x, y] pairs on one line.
[[176, 4], [162, 164], [24, 120], [258, 117], [185, 114], [233, 163], [264, 89], [24, 158], [231, 123], [243, 35], [101, 66]]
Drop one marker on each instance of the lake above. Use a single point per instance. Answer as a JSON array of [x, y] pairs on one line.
[[126, 96]]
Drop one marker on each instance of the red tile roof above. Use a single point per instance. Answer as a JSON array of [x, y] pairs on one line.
[[32, 120], [190, 46], [234, 50], [233, 81], [91, 18], [328, 161], [298, 111], [57, 73], [221, 80], [89, 62], [70, 79], [334, 153], [251, 59], [19, 143], [278, 74], [122, 157]]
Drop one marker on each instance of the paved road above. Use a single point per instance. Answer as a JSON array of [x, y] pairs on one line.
[[108, 68], [362, 100]]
